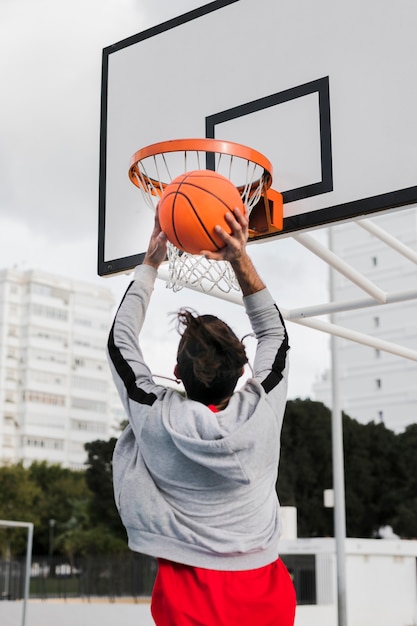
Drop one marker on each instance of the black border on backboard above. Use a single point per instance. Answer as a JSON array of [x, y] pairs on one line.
[[319, 86], [351, 210]]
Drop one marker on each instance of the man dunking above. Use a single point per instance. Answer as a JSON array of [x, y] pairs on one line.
[[194, 476]]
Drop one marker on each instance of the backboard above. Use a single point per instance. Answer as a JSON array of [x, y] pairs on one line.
[[325, 90]]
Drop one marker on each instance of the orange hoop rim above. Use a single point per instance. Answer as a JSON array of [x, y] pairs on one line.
[[202, 145]]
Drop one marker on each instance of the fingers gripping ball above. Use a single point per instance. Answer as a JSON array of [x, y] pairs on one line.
[[191, 206]]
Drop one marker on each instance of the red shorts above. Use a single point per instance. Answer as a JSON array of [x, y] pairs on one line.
[[193, 596]]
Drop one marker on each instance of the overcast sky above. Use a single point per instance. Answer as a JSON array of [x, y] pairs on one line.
[[50, 72]]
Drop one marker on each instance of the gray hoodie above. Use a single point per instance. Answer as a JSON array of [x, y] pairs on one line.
[[193, 486]]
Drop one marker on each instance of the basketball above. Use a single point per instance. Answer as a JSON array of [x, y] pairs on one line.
[[192, 205]]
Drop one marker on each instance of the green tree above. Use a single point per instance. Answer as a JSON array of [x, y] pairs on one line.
[[79, 537], [20, 500], [358, 480], [405, 513], [99, 479], [380, 485], [371, 472], [306, 466], [62, 488]]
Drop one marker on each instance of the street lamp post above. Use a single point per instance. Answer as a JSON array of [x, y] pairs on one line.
[[51, 537]]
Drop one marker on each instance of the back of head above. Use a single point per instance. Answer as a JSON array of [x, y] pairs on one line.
[[210, 357]]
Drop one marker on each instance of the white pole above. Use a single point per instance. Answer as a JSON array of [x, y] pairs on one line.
[[27, 571], [387, 238], [338, 472], [327, 255], [353, 335], [351, 305]]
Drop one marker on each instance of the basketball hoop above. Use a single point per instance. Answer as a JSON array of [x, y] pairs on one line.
[[152, 168]]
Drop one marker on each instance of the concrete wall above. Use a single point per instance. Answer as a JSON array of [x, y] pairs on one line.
[[381, 582]]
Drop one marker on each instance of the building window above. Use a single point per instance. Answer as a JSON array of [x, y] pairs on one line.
[[50, 336], [91, 384], [11, 375], [35, 443], [378, 383], [87, 364], [52, 444], [87, 342], [302, 569], [377, 353], [44, 398], [50, 357], [49, 312], [376, 321], [47, 378], [76, 447], [42, 290], [374, 261], [83, 321], [87, 426], [88, 405], [50, 291], [381, 416]]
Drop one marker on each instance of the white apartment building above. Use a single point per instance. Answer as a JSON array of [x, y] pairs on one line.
[[375, 385], [56, 392]]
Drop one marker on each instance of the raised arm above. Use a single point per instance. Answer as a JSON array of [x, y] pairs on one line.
[[132, 376], [235, 252], [270, 364]]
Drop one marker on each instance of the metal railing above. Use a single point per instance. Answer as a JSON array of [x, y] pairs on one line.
[[129, 575]]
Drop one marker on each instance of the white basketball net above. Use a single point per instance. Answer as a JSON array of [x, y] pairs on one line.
[[198, 272], [154, 172]]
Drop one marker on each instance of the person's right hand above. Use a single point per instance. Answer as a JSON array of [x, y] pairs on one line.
[[235, 252], [235, 242]]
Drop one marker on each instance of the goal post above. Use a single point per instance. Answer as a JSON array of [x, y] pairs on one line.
[[29, 543]]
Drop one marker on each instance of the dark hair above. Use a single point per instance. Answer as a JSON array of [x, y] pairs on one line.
[[210, 357]]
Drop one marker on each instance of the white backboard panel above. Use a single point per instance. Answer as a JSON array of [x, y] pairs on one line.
[[326, 90]]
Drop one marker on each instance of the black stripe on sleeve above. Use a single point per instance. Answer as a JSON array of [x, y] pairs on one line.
[[278, 366], [124, 370]]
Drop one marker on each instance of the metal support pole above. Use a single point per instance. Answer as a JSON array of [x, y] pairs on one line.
[[339, 489], [338, 473]]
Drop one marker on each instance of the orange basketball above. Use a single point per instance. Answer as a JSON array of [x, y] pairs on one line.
[[192, 205]]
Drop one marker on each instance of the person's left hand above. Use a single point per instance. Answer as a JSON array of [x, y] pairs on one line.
[[157, 247]]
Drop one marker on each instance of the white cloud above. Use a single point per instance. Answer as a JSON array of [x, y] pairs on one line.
[[49, 121]]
